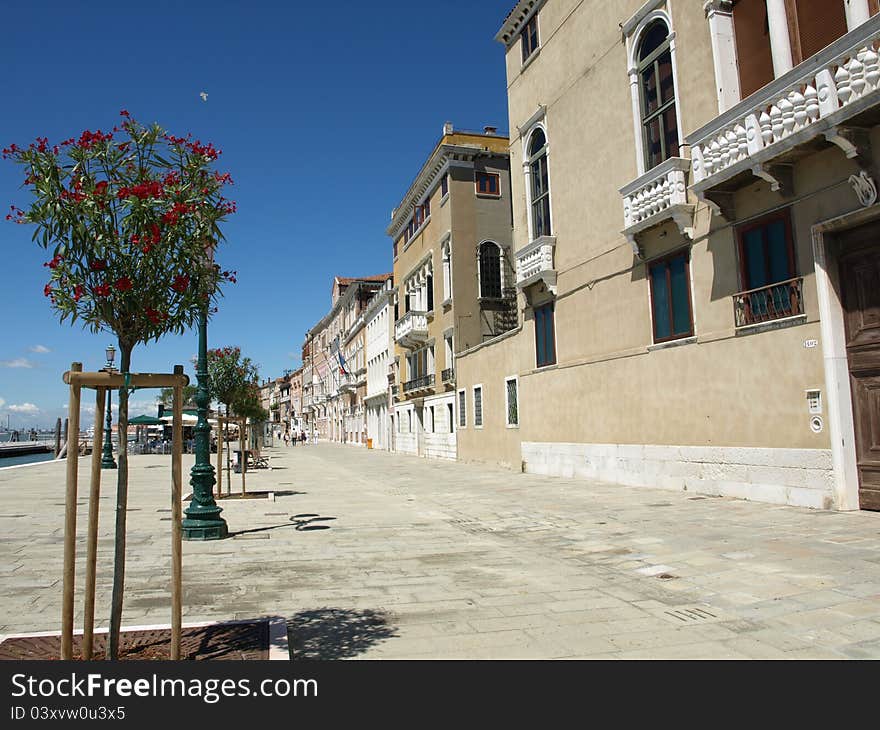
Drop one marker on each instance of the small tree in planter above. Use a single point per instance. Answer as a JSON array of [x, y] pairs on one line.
[[131, 217], [230, 374]]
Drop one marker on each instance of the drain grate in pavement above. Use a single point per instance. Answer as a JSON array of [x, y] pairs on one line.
[[691, 615]]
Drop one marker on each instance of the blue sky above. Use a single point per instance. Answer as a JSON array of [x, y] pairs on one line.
[[324, 111]]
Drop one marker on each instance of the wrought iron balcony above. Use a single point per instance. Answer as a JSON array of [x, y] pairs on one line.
[[411, 330], [448, 375], [769, 303], [534, 263], [657, 196], [426, 381], [827, 99]]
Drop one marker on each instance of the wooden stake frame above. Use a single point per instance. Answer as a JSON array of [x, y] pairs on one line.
[[101, 382]]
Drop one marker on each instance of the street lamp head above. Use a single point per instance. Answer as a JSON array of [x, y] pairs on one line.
[[110, 352]]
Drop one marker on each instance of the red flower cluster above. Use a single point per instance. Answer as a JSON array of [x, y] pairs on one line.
[[98, 265], [172, 216], [229, 276], [10, 151], [53, 264], [143, 191], [101, 188], [181, 283], [76, 194], [154, 316], [123, 284], [197, 148], [47, 290], [78, 292], [224, 178], [102, 290], [88, 139], [226, 351], [228, 206], [19, 214]]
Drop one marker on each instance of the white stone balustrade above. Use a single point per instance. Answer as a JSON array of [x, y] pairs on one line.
[[810, 100], [411, 328], [535, 262], [656, 196]]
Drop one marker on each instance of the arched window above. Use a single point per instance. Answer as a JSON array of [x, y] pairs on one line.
[[657, 92], [539, 184], [490, 270]]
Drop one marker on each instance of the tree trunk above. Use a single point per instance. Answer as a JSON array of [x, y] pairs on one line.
[[121, 509]]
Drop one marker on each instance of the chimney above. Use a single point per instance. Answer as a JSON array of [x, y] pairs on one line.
[[490, 130], [448, 128]]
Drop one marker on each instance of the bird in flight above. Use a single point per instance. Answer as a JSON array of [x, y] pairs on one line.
[[204, 95]]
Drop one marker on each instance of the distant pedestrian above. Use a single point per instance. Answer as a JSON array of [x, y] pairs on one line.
[[294, 437], [286, 439]]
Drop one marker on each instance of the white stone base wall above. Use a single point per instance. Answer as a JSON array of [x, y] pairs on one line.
[[799, 477], [405, 443], [439, 445]]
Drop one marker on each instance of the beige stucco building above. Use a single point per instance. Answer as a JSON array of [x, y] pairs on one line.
[[454, 277], [695, 221]]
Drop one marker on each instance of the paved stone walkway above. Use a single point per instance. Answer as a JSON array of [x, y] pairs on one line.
[[373, 555]]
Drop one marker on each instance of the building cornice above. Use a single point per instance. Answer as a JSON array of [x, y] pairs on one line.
[[444, 156], [516, 19]]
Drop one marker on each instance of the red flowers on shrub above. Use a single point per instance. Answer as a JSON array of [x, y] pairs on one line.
[[78, 292], [123, 284], [47, 290], [102, 290], [181, 283], [98, 265], [56, 260]]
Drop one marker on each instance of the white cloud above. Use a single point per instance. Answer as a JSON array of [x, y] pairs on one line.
[[42, 349], [28, 408], [19, 362]]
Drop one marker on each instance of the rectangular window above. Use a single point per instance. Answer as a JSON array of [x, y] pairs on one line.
[[487, 183], [478, 406], [671, 297], [766, 251], [451, 417], [511, 387], [771, 288], [430, 287], [409, 414], [529, 37], [444, 185], [426, 209], [430, 426], [462, 409], [545, 335]]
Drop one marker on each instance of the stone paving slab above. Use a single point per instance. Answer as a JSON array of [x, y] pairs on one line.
[[376, 555]]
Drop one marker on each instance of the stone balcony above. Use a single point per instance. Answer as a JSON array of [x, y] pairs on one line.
[[534, 263], [831, 98], [655, 197], [411, 330]]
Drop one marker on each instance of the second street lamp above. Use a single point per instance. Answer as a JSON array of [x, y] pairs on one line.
[[107, 461]]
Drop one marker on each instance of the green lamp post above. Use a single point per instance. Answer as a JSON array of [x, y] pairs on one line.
[[203, 520], [107, 461]]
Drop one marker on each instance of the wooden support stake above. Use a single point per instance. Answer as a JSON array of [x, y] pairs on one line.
[[92, 536], [243, 446], [70, 520], [176, 517]]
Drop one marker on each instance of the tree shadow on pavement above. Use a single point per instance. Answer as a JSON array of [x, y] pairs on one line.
[[336, 633]]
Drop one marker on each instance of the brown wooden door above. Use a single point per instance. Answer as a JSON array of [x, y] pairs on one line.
[[860, 283]]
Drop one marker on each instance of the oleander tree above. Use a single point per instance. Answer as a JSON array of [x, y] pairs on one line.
[[131, 218], [230, 375]]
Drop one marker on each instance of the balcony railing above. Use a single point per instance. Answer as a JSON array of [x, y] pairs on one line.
[[657, 196], [813, 99], [448, 375], [411, 329], [535, 263], [426, 381], [768, 303]]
